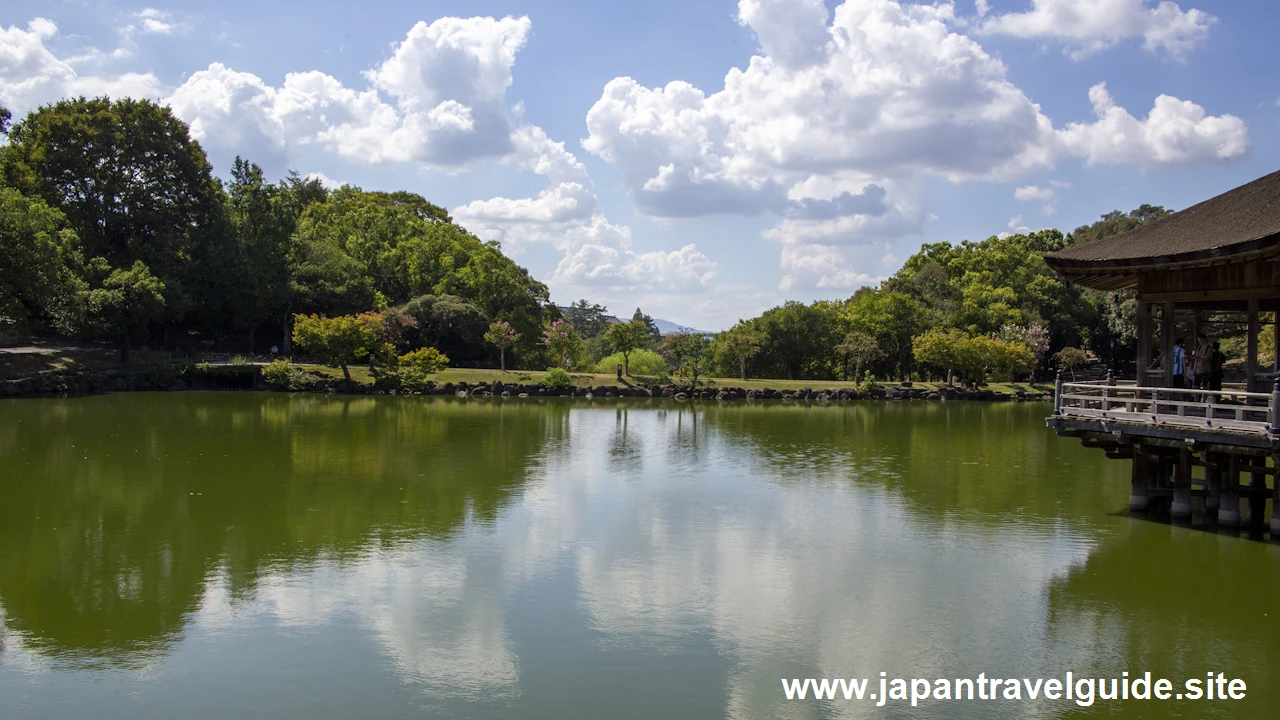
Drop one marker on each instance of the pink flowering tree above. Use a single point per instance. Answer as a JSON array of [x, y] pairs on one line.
[[502, 335], [561, 340]]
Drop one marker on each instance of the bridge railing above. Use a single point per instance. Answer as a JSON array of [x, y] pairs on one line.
[[1178, 407]]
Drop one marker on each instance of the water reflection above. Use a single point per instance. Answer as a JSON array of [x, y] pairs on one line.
[[553, 559]]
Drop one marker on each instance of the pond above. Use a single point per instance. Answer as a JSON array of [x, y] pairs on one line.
[[211, 555]]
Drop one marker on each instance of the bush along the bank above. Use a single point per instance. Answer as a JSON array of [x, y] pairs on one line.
[[284, 375], [557, 379]]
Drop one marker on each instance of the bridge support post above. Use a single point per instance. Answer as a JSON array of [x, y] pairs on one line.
[[1213, 483], [1257, 501], [1181, 506], [1139, 474], [1275, 497], [1229, 510]]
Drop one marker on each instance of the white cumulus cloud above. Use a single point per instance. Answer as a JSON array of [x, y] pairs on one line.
[[880, 91], [1087, 26], [567, 214], [1174, 132], [155, 21], [444, 87], [32, 75]]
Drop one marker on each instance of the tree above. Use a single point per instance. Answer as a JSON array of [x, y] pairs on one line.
[[1070, 358], [689, 349], [125, 302], [340, 340], [625, 338], [455, 326], [262, 218], [738, 345], [861, 349], [984, 355], [37, 254], [587, 318], [131, 181], [502, 335], [562, 341], [649, 324], [5, 117], [942, 348], [893, 319], [795, 336]]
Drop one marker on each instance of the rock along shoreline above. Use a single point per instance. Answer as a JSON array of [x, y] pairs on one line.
[[249, 378]]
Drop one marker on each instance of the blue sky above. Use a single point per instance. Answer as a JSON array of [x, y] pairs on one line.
[[704, 160]]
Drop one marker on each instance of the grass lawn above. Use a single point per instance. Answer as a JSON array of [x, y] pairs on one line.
[[44, 356], [472, 376]]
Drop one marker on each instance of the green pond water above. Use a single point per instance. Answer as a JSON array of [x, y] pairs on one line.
[[200, 555]]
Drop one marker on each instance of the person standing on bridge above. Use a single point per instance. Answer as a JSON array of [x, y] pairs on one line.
[[1216, 367], [1202, 364], [1179, 364]]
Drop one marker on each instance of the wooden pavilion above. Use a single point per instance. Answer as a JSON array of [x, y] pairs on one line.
[[1220, 258]]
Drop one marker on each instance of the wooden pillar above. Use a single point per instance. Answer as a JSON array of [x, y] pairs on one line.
[[1139, 474], [1166, 342], [1257, 500], [1275, 346], [1229, 510], [1275, 496], [1181, 507], [1144, 341], [1213, 482], [1251, 356]]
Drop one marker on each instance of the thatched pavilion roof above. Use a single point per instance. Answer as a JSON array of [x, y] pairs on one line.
[[1237, 225]]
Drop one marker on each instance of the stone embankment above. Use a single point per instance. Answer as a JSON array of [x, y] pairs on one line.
[[250, 378]]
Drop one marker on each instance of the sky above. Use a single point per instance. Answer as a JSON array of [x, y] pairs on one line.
[[703, 161]]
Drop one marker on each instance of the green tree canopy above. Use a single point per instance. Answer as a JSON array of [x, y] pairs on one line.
[[37, 263], [796, 336], [340, 340], [587, 318], [690, 350], [626, 337], [131, 181], [562, 341], [736, 346], [123, 304]]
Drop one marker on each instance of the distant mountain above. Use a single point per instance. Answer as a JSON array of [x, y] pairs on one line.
[[666, 326]]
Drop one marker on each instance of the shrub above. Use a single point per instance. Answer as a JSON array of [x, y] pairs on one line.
[[240, 361], [284, 375], [643, 362], [425, 360], [557, 378]]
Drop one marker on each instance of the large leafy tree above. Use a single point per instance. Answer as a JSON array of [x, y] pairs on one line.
[[690, 350], [860, 349], [262, 217], [626, 338], [401, 246], [587, 318], [123, 303], [131, 181], [451, 324], [796, 336], [893, 319], [340, 340], [737, 345], [37, 258], [649, 324], [562, 341]]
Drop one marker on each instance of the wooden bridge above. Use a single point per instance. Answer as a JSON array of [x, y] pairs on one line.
[[1216, 262]]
